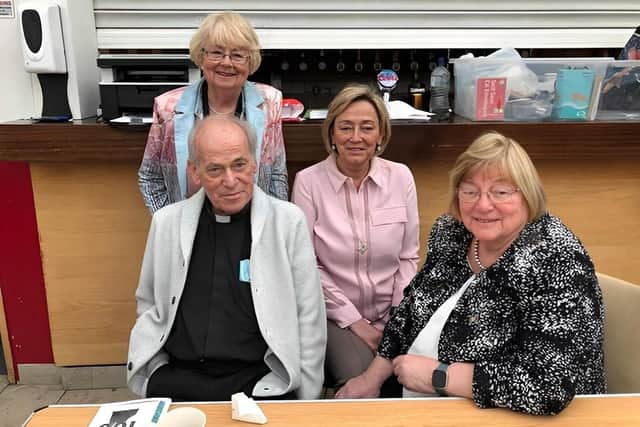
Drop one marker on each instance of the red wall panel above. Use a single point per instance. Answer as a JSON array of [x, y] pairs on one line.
[[21, 277]]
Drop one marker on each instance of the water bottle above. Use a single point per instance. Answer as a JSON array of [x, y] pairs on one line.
[[439, 86]]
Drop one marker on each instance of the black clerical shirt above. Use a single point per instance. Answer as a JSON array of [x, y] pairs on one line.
[[215, 345]]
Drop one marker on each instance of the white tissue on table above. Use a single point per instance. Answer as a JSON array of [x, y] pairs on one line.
[[244, 408], [402, 110]]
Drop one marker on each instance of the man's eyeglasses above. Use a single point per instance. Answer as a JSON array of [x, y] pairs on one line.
[[217, 55], [467, 194]]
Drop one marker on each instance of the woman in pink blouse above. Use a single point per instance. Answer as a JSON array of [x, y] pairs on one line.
[[362, 213]]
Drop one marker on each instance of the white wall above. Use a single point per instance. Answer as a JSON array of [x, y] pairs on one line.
[[16, 90]]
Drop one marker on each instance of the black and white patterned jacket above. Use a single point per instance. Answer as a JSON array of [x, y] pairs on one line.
[[532, 323]]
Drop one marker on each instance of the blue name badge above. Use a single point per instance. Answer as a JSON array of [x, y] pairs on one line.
[[245, 272]]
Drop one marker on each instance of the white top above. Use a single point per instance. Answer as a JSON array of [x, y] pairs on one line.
[[426, 343]]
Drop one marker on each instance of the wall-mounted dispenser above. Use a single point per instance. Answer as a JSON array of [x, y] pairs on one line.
[[59, 47]]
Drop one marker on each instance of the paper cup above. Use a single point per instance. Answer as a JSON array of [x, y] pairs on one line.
[[183, 417]]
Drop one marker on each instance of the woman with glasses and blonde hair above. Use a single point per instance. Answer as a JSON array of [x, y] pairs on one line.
[[362, 213], [507, 309], [226, 49]]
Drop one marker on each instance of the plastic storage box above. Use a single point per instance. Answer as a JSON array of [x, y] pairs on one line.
[[530, 89], [619, 93]]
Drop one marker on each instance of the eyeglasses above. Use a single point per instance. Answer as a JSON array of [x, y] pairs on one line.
[[219, 55], [497, 195]]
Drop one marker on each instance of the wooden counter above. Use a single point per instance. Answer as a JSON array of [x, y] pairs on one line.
[[92, 222], [609, 410], [84, 140]]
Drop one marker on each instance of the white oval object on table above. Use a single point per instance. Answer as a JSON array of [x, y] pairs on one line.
[[183, 417]]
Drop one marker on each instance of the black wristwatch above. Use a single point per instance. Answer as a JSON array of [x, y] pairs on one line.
[[439, 379]]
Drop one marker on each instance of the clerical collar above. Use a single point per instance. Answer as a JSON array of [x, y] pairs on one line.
[[225, 219]]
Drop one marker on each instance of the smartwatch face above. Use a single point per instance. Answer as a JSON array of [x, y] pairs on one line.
[[439, 379]]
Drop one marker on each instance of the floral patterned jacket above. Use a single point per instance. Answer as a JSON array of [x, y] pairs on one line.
[[532, 322], [163, 177]]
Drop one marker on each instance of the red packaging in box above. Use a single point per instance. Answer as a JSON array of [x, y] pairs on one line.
[[490, 98]]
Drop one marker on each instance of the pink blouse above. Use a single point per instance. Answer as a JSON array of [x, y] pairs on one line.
[[366, 240]]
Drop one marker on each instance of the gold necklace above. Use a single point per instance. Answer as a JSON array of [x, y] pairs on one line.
[[214, 111]]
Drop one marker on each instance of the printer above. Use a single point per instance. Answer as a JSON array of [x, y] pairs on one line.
[[129, 82]]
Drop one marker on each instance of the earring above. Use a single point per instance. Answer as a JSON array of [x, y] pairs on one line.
[[377, 148], [334, 148]]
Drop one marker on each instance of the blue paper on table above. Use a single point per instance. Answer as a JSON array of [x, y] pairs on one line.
[[573, 93]]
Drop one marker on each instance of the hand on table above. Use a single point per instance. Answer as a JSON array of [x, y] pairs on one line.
[[358, 388], [414, 372]]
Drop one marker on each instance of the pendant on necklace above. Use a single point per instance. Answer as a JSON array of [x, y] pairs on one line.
[[362, 247]]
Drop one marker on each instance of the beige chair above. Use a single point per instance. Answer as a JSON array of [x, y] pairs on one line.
[[621, 334]]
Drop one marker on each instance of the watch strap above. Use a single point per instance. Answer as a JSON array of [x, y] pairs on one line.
[[440, 379]]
